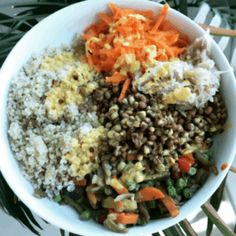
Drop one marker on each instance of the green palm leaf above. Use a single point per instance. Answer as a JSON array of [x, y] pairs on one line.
[[174, 230], [186, 226], [71, 234], [215, 202], [16, 209], [214, 217], [10, 20], [62, 232]]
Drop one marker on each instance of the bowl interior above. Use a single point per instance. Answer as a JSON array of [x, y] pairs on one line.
[[60, 28]]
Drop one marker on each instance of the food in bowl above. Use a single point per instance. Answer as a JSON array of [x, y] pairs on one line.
[[119, 124]]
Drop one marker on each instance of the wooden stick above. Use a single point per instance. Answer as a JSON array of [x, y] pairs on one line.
[[233, 169], [219, 31]]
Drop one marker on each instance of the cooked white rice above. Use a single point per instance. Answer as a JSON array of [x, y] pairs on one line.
[[193, 82]]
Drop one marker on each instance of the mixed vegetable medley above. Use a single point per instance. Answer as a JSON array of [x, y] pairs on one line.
[[155, 96]]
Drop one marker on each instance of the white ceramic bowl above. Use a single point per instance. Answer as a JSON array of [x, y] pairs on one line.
[[59, 28]]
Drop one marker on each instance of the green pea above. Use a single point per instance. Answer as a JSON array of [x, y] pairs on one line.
[[188, 193], [85, 215], [169, 182], [57, 198], [171, 191], [192, 171], [181, 183]]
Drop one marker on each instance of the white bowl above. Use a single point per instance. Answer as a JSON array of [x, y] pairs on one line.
[[59, 28]]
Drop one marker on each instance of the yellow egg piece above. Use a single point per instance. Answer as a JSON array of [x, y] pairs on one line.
[[178, 95]]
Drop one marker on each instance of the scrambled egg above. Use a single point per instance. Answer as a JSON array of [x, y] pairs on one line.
[[151, 51], [73, 89], [127, 63], [178, 95], [84, 153], [123, 19]]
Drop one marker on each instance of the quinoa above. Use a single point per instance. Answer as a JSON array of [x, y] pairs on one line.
[[37, 140]]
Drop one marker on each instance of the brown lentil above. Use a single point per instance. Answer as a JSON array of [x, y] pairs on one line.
[[143, 125]]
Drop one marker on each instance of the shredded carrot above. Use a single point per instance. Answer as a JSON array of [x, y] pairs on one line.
[[162, 17], [166, 26], [224, 166], [121, 39], [124, 89], [81, 182], [127, 218], [170, 205], [104, 17], [116, 78], [149, 194]]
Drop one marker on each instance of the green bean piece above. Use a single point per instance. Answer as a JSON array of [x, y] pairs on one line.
[[203, 158], [57, 198], [203, 155], [141, 222], [96, 214], [188, 193], [148, 183], [194, 188], [169, 182], [181, 183], [209, 154], [214, 170], [171, 191], [143, 212], [192, 171], [151, 204], [72, 203], [162, 210], [85, 215], [158, 177], [130, 185], [201, 176], [80, 199]]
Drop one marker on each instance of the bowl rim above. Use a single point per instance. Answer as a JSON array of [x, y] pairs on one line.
[[26, 198]]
